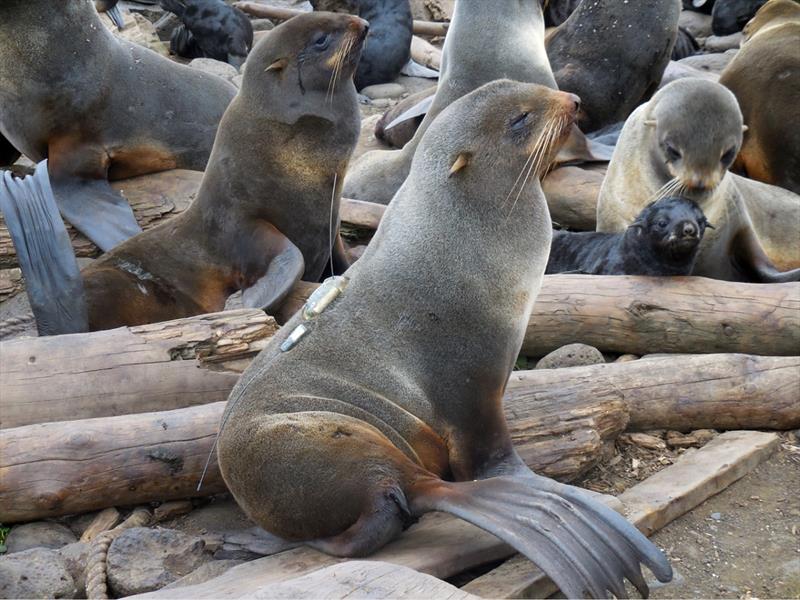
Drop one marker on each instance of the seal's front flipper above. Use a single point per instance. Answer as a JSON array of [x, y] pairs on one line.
[[96, 210], [283, 272], [750, 259], [52, 278], [586, 548]]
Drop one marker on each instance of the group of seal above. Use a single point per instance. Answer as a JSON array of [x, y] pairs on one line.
[[662, 241], [321, 443], [683, 141], [267, 209]]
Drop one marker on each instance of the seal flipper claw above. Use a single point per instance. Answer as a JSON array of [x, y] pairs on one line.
[[584, 547], [96, 210], [52, 279], [283, 273]]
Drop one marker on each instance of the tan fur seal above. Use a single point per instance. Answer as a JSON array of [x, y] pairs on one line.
[[268, 203], [381, 399], [765, 77], [485, 41], [612, 53], [682, 142], [98, 108]]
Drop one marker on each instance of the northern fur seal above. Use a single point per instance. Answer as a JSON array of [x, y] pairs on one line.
[[729, 16], [268, 203], [210, 29], [683, 141], [612, 53], [98, 108], [352, 422], [765, 78], [388, 46], [663, 240], [479, 48]]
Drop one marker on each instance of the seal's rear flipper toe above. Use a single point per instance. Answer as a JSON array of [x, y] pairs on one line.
[[115, 14], [284, 271], [52, 278], [586, 548], [96, 210]]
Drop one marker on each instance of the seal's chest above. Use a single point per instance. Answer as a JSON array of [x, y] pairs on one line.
[[325, 295]]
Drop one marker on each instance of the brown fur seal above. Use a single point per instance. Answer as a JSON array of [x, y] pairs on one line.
[[683, 142], [612, 53], [98, 108], [381, 399], [765, 77], [479, 47], [272, 187]]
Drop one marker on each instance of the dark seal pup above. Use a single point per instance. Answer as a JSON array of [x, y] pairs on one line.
[[381, 399], [267, 208], [98, 108], [210, 29], [388, 46], [663, 240]]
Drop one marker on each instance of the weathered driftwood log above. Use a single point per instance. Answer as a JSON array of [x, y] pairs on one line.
[[76, 466], [152, 197], [11, 282], [132, 369], [430, 28], [571, 194], [643, 315]]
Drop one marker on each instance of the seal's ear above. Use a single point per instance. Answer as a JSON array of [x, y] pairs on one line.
[[651, 122], [744, 128], [707, 224], [278, 65], [461, 161]]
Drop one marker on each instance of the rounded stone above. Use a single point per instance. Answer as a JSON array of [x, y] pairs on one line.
[[572, 355]]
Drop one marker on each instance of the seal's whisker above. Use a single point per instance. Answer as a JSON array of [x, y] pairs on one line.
[[330, 229], [536, 148], [540, 152]]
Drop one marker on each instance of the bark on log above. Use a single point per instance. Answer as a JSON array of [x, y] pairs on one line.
[[571, 194], [135, 369], [68, 467], [645, 315], [153, 197]]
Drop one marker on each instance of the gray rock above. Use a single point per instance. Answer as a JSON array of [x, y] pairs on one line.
[[699, 25], [384, 90], [204, 573], [215, 67], [36, 573], [572, 355], [40, 534], [76, 556], [722, 43], [144, 560], [261, 24], [713, 63]]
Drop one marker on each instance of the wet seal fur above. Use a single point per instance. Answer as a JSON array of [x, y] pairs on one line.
[[765, 78], [612, 53], [682, 142], [99, 108], [267, 208], [351, 423], [663, 240]]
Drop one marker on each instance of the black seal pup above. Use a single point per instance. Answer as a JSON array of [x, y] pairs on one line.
[[663, 240], [381, 400], [210, 29]]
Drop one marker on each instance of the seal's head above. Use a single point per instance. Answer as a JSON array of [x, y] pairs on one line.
[[500, 126], [772, 14], [314, 54], [697, 131], [673, 227]]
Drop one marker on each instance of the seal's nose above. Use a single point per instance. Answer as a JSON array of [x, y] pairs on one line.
[[689, 229], [576, 100]]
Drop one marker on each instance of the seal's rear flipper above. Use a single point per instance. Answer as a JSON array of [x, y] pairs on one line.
[[115, 14], [750, 259], [96, 210], [271, 289], [583, 546], [52, 278], [580, 149]]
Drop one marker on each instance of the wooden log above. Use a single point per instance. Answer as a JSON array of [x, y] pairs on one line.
[[571, 194], [643, 315], [11, 282], [426, 54], [650, 505], [131, 369], [362, 214], [153, 198], [159, 455], [429, 28]]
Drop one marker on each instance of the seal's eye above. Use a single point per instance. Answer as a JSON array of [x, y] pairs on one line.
[[519, 123], [662, 223], [671, 152], [728, 157], [322, 41]]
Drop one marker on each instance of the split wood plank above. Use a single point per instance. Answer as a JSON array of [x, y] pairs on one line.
[[650, 505], [128, 370]]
